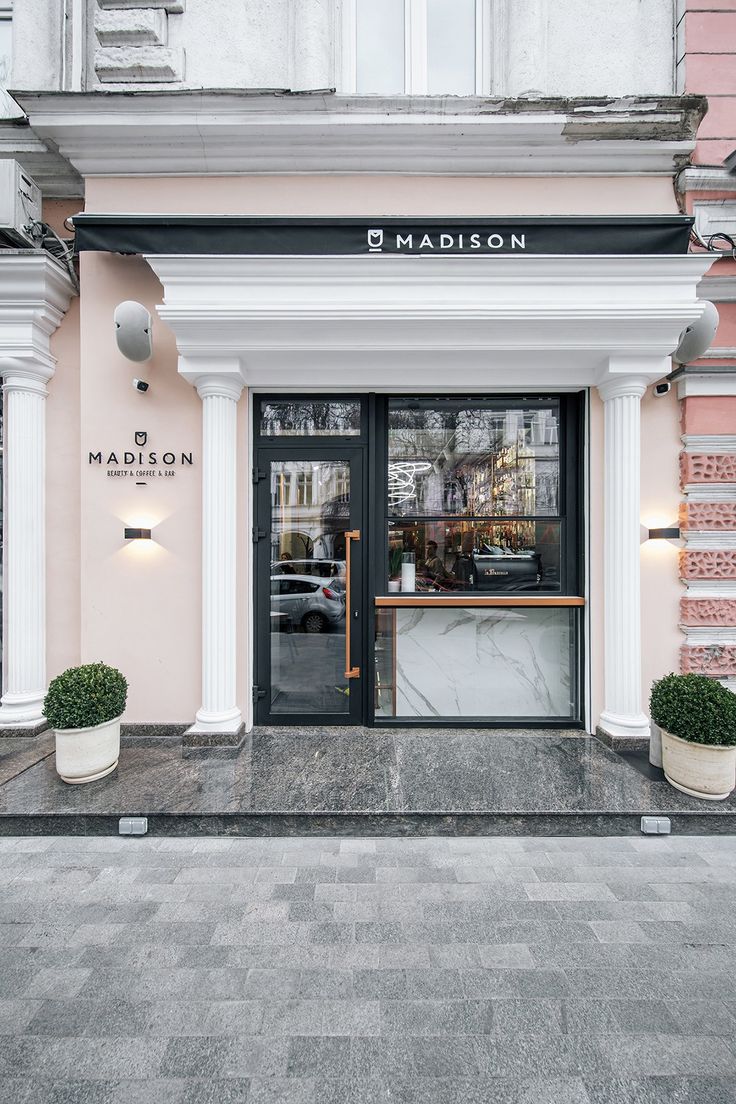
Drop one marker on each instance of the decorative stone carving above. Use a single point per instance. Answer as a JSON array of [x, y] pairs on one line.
[[707, 565], [137, 27], [709, 516], [701, 467], [718, 660], [133, 39], [708, 611]]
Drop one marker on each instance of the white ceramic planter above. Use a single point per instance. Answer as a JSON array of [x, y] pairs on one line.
[[655, 745], [86, 754], [700, 770]]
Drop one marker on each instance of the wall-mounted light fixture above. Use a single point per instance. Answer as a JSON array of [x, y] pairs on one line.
[[137, 534], [672, 533]]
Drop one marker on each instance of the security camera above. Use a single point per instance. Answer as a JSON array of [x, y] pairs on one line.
[[662, 388], [133, 331], [140, 385], [697, 338]]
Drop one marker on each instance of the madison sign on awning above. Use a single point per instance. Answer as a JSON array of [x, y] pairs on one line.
[[237, 235]]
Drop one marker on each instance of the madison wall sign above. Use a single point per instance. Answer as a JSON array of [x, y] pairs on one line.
[[297, 236], [139, 461]]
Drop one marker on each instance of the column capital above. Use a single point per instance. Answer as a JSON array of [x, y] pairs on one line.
[[26, 373], [618, 387], [226, 387], [213, 375]]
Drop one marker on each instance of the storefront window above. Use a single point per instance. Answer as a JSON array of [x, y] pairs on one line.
[[473, 494], [310, 418]]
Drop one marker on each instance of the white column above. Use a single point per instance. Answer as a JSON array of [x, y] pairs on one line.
[[24, 543], [622, 715], [219, 711]]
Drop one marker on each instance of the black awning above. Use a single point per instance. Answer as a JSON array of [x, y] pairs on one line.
[[298, 236]]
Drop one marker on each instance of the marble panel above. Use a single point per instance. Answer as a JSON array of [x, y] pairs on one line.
[[486, 663]]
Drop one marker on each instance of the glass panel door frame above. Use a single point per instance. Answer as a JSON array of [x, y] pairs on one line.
[[316, 450]]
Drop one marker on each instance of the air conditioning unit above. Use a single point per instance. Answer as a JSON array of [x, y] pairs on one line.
[[20, 205]]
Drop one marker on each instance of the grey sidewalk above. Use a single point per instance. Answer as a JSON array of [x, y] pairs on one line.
[[331, 971]]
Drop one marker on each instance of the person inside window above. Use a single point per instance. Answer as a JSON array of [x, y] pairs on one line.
[[433, 565]]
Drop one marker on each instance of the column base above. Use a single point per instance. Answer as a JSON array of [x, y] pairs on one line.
[[206, 738], [22, 714], [624, 731]]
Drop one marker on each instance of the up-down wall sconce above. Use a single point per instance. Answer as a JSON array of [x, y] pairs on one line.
[[137, 534], [672, 533]]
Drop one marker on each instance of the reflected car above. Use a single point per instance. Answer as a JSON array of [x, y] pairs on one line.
[[309, 603], [324, 569]]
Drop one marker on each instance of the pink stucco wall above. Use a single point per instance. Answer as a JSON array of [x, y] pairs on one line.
[[383, 195]]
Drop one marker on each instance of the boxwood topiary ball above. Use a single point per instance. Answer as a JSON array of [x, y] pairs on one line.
[[84, 696]]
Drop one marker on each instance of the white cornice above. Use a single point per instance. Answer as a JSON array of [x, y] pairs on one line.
[[700, 383], [35, 292], [506, 320], [197, 133], [706, 178], [719, 289]]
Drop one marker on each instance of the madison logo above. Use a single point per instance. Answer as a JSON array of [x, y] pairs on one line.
[[151, 459], [380, 242], [375, 241]]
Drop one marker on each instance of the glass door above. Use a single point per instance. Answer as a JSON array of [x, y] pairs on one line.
[[309, 589]]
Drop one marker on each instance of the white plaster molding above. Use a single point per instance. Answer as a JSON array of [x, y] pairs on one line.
[[622, 714], [198, 133], [703, 635], [219, 386], [391, 321], [709, 442], [35, 291], [710, 541], [711, 588], [706, 178], [719, 289], [710, 492], [719, 352], [707, 383], [715, 216]]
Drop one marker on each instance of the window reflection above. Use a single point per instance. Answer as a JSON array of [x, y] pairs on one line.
[[454, 458], [310, 418], [477, 555]]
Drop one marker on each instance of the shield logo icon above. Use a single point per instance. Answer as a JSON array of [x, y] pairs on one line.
[[375, 241], [140, 438]]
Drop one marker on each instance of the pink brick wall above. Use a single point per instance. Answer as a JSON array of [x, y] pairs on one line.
[[706, 63]]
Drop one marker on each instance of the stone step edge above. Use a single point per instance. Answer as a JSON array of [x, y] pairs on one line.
[[720, 821]]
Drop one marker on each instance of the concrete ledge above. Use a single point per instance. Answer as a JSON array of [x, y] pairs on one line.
[[152, 731], [367, 824], [621, 743]]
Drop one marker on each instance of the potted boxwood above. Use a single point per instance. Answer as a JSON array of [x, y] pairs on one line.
[[83, 706], [697, 717]]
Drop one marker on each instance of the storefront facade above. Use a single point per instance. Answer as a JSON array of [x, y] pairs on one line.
[[448, 444], [400, 451]]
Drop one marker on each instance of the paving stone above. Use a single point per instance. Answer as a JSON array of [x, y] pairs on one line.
[[437, 1017], [518, 971], [660, 1090], [384, 984]]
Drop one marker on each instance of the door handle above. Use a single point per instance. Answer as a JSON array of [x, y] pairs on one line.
[[350, 536]]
